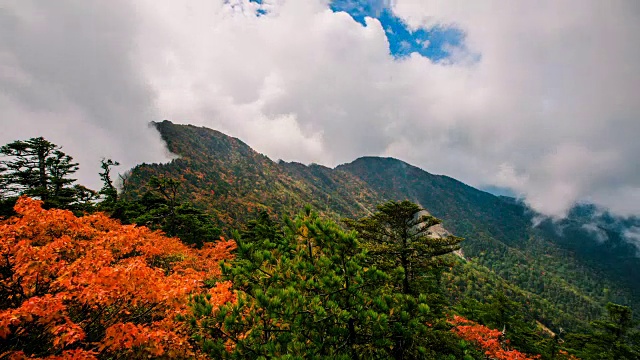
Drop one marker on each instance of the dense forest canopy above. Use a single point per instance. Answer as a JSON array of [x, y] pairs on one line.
[[361, 272]]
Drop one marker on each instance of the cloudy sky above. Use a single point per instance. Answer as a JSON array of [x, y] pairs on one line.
[[541, 97]]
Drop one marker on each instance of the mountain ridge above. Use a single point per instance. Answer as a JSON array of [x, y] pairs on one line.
[[233, 182]]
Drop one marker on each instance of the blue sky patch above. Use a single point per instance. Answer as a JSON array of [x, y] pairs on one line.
[[435, 43], [261, 11]]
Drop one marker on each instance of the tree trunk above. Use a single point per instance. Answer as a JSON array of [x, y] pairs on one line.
[[42, 173]]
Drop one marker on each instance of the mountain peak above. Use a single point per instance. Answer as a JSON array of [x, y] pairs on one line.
[[193, 142], [378, 160]]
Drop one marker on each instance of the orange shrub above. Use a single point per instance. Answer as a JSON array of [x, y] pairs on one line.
[[486, 339], [89, 287]]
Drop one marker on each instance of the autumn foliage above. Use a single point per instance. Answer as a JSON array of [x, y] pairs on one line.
[[488, 340], [89, 287]]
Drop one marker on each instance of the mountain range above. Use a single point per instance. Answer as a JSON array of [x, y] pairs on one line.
[[563, 270]]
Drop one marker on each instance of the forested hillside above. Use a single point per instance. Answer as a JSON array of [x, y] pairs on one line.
[[564, 262], [233, 182], [227, 178], [372, 259]]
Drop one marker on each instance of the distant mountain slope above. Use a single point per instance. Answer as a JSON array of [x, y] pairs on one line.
[[227, 178], [556, 264], [604, 241], [461, 205]]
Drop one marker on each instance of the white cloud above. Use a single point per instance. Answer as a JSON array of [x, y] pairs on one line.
[[549, 108], [66, 74], [598, 233], [632, 235], [558, 80]]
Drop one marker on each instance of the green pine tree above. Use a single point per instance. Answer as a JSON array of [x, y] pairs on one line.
[[399, 240], [108, 191], [38, 168], [303, 293], [614, 337], [160, 208]]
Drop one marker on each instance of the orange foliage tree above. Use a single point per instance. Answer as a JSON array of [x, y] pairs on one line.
[[487, 339], [89, 287]]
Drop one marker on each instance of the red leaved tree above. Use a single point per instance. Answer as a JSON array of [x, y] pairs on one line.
[[488, 340], [89, 287]]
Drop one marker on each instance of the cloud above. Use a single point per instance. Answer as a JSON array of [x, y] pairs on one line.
[[539, 97], [66, 74], [437, 43], [557, 81], [596, 231], [632, 235]]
